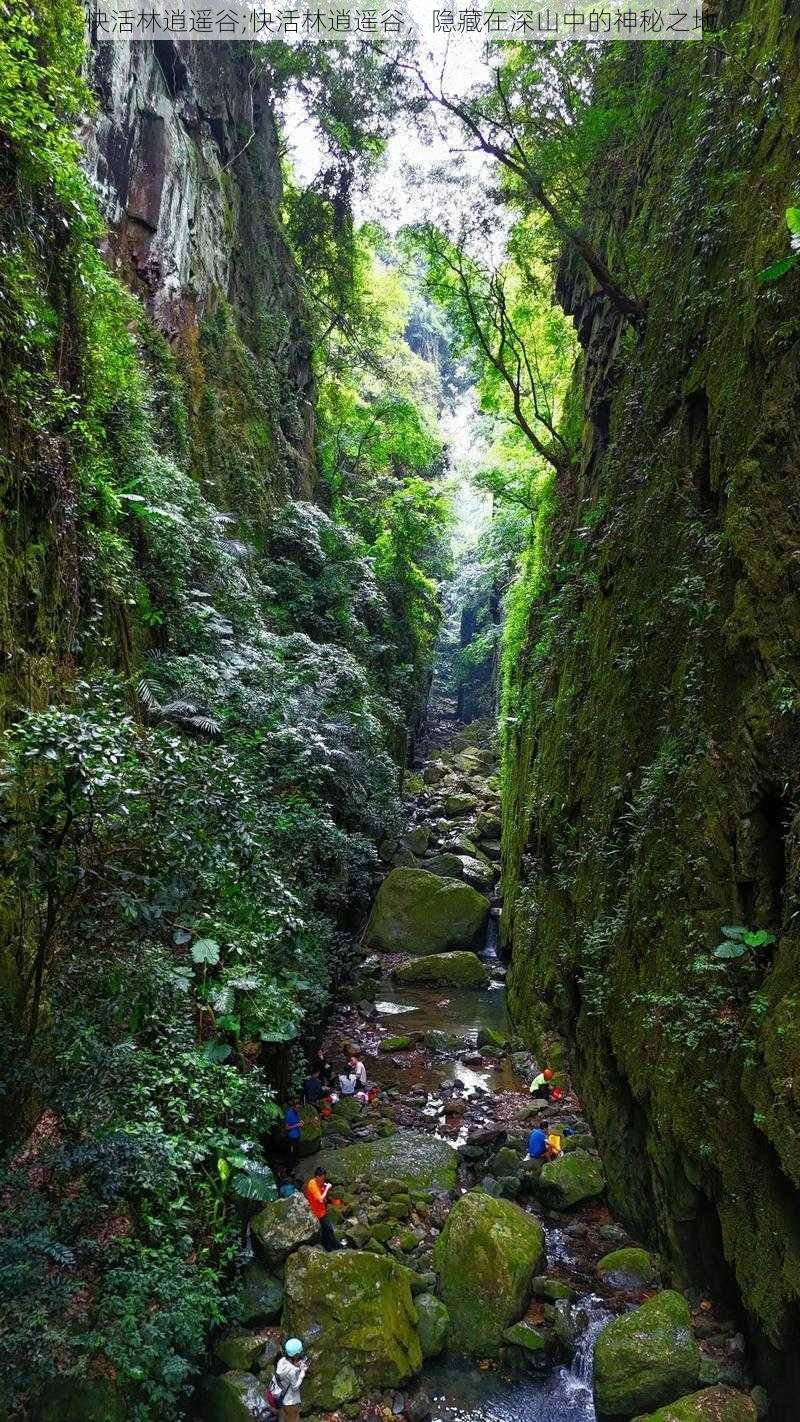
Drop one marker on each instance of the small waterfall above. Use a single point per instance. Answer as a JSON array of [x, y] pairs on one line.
[[492, 937], [598, 1315]]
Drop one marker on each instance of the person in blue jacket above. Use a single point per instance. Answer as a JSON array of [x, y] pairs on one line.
[[291, 1130], [539, 1148]]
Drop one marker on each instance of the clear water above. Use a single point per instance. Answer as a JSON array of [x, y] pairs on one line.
[[461, 1392], [457, 1011]]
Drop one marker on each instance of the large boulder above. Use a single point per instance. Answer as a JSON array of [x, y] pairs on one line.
[[241, 1348], [713, 1404], [486, 1257], [433, 1324], [628, 1269], [259, 1295], [646, 1358], [422, 1162], [355, 1314], [417, 912], [235, 1397], [447, 865], [571, 1178], [281, 1227], [444, 969]]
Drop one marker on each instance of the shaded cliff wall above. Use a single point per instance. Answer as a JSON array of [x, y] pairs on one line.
[[183, 152], [209, 366], [652, 756]]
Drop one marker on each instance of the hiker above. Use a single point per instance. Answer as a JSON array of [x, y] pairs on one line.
[[323, 1068], [326, 1107], [283, 1393], [317, 1191], [539, 1145], [356, 1066], [313, 1089], [540, 1086], [291, 1130], [347, 1083]]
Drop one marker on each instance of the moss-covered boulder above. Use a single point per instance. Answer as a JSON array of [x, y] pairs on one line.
[[646, 1358], [524, 1335], [713, 1404], [310, 1130], [281, 1227], [399, 1042], [486, 1257], [346, 1110], [459, 804], [569, 1179], [489, 1037], [354, 1311], [417, 839], [421, 1162], [457, 969], [627, 1269], [259, 1296], [447, 865], [433, 1324], [241, 1348], [418, 912], [234, 1397]]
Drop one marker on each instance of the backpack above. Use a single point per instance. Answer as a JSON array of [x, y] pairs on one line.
[[276, 1392]]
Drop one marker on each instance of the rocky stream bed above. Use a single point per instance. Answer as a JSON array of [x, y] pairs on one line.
[[475, 1284]]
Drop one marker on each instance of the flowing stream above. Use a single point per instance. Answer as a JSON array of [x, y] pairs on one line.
[[460, 1390]]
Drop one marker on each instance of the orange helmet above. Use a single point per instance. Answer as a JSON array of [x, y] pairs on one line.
[[548, 1075]]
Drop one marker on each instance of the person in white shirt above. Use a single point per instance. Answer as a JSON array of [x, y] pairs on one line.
[[284, 1390], [358, 1070]]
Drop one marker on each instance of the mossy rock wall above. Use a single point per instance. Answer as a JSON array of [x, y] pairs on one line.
[[651, 764]]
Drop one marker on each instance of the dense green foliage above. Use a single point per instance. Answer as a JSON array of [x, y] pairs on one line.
[[206, 715]]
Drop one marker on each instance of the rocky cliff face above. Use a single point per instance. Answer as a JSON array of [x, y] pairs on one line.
[[183, 152], [652, 768]]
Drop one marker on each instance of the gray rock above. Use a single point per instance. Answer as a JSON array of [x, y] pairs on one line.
[[281, 1227]]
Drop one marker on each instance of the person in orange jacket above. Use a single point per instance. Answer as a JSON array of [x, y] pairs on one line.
[[317, 1190]]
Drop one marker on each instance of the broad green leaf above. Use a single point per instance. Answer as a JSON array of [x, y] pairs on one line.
[[730, 950], [214, 1051], [205, 950], [223, 1169], [254, 1187], [734, 930], [793, 220], [778, 269], [759, 939], [278, 1034]]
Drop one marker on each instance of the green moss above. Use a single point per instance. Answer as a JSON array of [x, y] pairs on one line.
[[646, 1358], [417, 912], [448, 969], [713, 1404], [486, 1257], [650, 676], [627, 1268], [421, 1162], [355, 1313]]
